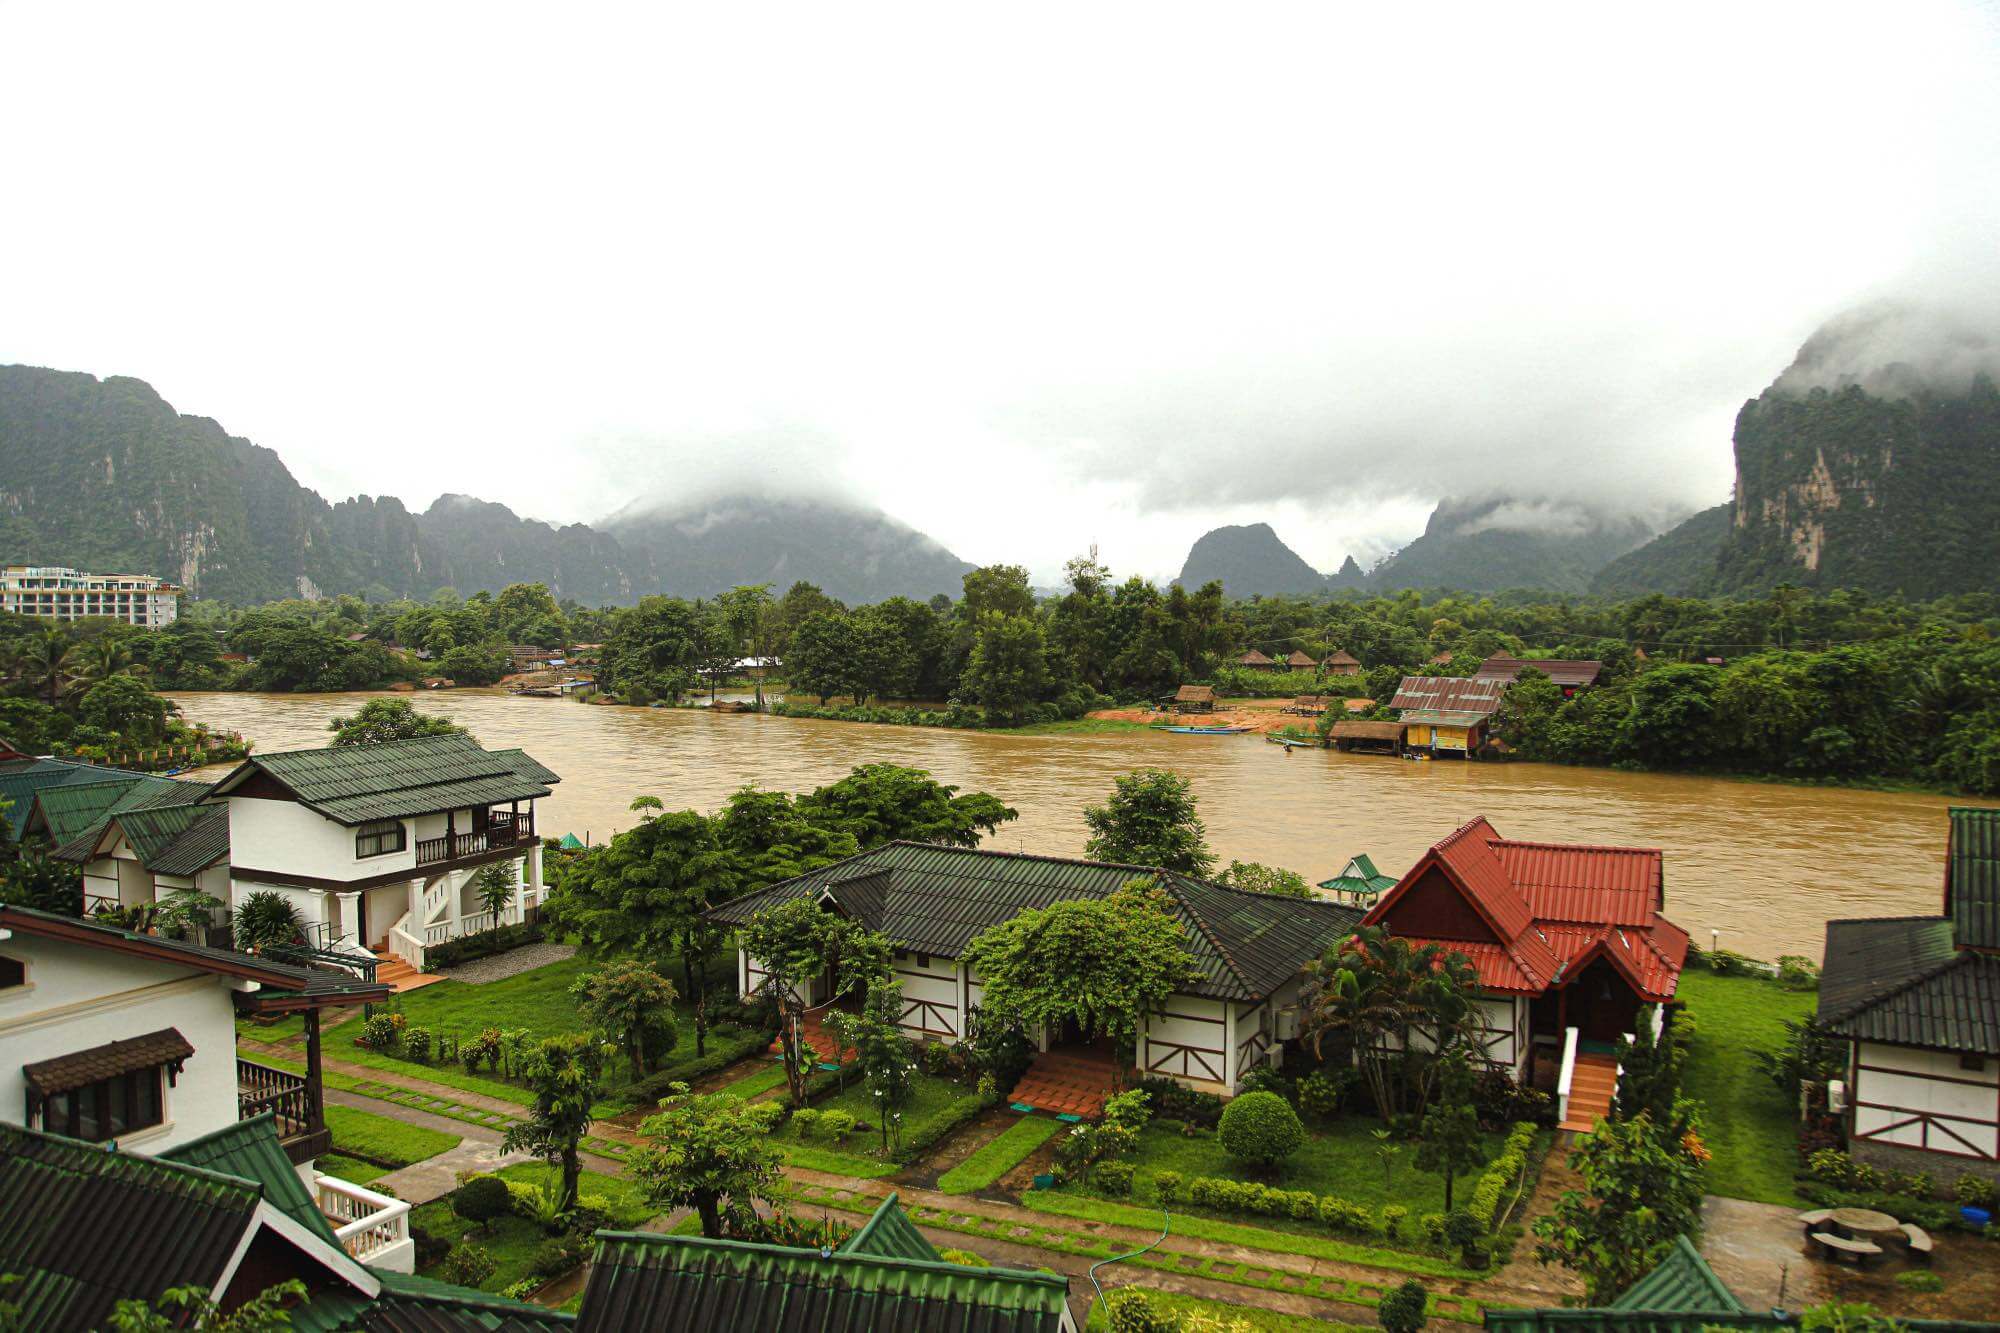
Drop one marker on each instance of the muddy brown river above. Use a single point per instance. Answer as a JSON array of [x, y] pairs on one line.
[[1764, 865]]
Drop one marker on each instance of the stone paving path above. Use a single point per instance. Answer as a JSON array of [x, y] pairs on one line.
[[500, 966]]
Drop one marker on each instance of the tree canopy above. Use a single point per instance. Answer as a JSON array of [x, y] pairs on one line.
[[1150, 820]]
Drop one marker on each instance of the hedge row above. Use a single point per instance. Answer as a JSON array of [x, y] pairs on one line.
[[482, 944], [935, 1130], [726, 1045], [1224, 1195], [1502, 1174]]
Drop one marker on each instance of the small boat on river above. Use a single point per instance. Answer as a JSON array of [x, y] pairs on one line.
[[1204, 731]]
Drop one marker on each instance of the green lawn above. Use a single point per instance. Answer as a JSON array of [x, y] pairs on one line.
[[999, 1156], [381, 1139], [1752, 1129], [1338, 1158], [512, 1241], [929, 1096], [351, 1169], [1259, 1320], [751, 1084]]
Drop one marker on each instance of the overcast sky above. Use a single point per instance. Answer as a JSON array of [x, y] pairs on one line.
[[1027, 277]]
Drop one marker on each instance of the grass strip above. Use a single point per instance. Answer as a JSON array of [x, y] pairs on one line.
[[381, 1139], [351, 1169], [836, 1163], [1088, 1209], [751, 1084], [995, 1159]]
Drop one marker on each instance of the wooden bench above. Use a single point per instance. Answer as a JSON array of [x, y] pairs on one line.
[[1918, 1241], [1815, 1221], [1843, 1250]]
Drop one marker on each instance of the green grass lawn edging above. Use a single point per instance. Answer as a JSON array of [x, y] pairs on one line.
[[1259, 1319], [1750, 1128], [378, 1138], [751, 1084], [996, 1158]]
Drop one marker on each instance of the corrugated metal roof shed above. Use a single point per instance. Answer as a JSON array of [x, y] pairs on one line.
[[889, 1234], [644, 1283], [935, 899], [1683, 1283], [250, 1150], [1449, 694], [1565, 671], [1435, 717]]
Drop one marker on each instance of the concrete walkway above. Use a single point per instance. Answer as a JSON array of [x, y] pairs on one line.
[[477, 1142]]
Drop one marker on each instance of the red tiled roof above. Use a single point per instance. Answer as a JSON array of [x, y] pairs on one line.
[[1553, 907]]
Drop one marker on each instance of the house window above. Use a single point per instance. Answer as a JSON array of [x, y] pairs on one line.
[[379, 838], [108, 1108], [12, 972], [924, 961], [1972, 1064]]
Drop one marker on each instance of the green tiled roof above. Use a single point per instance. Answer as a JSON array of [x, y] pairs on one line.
[[203, 843], [86, 1228], [890, 1234], [527, 766], [1360, 876], [20, 779], [1901, 980], [644, 1283], [1682, 1284], [935, 899], [249, 1150], [1972, 877], [354, 784], [410, 1304]]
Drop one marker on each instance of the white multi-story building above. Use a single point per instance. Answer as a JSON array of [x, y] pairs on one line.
[[56, 592]]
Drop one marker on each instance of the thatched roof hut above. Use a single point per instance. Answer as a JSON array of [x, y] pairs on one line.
[[1255, 660], [1298, 661]]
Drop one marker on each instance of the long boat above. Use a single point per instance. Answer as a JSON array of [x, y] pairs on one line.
[[1204, 731]]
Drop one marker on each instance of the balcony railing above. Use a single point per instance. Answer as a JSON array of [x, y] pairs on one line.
[[260, 1088], [369, 1225], [503, 830]]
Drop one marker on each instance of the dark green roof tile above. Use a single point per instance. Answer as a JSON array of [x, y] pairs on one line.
[[395, 779], [1682, 1284], [890, 1234], [1972, 877], [643, 1283], [935, 899], [1900, 980], [250, 1150]]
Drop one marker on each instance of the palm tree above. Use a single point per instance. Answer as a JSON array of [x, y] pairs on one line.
[[39, 660], [1394, 1002], [96, 660]]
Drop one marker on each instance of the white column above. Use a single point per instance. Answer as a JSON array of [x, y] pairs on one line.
[[1229, 1047], [350, 917], [417, 907], [535, 869]]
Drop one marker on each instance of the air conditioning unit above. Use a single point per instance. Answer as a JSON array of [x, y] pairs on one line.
[[1288, 1022], [1836, 1095]]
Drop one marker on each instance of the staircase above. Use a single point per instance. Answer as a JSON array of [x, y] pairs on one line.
[[1590, 1091], [396, 974], [1067, 1082]]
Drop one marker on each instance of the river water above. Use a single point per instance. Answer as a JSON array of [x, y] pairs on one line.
[[1762, 864]]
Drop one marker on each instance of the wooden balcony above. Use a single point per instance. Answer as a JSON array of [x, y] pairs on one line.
[[503, 830], [289, 1097]]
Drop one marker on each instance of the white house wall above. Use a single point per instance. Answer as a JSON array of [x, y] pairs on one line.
[[1187, 1041], [285, 836], [931, 995], [1924, 1099], [78, 998]]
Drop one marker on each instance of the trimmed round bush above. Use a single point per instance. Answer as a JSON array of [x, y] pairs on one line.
[[1261, 1128], [481, 1199], [1113, 1177], [1402, 1308]]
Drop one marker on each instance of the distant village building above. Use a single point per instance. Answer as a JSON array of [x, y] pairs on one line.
[[1308, 705], [1447, 714], [1570, 674], [529, 657], [1340, 663], [1298, 661], [1194, 699], [1361, 735], [56, 592], [1569, 945], [1256, 661], [1918, 1000]]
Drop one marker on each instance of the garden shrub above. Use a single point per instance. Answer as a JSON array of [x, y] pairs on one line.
[[1464, 1231], [559, 1254], [1918, 1279], [1266, 1079], [417, 1045], [1392, 1220], [467, 1266], [805, 1121], [838, 1124], [1113, 1178], [1172, 1101], [1167, 1185], [1321, 1094], [1261, 1128], [937, 1058], [1432, 1225], [965, 1258], [481, 1199], [764, 1117], [1130, 1310], [1797, 973], [1973, 1191], [928, 1134], [1401, 1309], [1341, 1215], [381, 1032], [481, 944], [521, 1290], [484, 1048]]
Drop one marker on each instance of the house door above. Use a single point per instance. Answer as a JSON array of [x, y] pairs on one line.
[[1601, 1004]]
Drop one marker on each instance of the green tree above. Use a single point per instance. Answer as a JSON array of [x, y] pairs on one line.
[[652, 650], [1450, 1142], [1256, 877], [1401, 1309], [41, 661], [30, 879], [1640, 1190], [1008, 672], [1150, 820], [494, 886], [646, 894], [797, 944], [711, 1153], [821, 659], [772, 839], [527, 613], [124, 707], [562, 1076], [382, 720], [884, 1052], [633, 1006], [882, 803], [179, 1309], [997, 589], [751, 619], [1103, 963]]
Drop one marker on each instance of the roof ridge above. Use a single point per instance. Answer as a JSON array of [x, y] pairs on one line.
[[448, 737], [1916, 977], [1030, 856], [661, 1240], [1579, 846], [84, 1151]]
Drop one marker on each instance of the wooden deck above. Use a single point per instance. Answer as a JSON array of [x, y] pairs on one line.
[[1068, 1081]]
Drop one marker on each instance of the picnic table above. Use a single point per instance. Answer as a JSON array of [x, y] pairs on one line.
[[1861, 1223]]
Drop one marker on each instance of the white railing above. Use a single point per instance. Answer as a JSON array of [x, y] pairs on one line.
[[371, 1227], [405, 945], [1568, 1075], [436, 896]]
